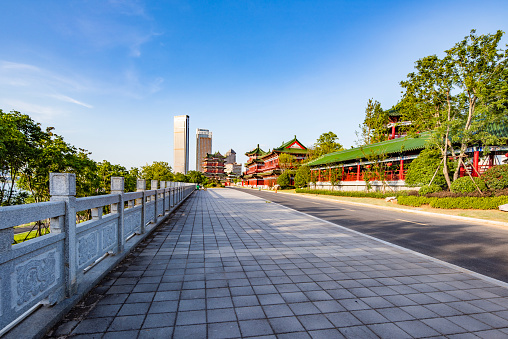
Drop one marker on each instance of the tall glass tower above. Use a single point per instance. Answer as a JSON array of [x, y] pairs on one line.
[[181, 144], [203, 146]]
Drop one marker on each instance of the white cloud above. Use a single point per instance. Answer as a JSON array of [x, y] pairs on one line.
[[44, 114], [69, 99]]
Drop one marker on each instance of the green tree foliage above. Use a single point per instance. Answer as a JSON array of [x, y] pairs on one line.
[[468, 185], [458, 96], [326, 143], [197, 178], [287, 161], [284, 179], [158, 170], [496, 178], [373, 128], [302, 176], [21, 141], [180, 177], [421, 170]]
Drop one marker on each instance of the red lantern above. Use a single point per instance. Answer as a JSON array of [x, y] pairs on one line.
[[368, 166], [506, 155], [389, 164]]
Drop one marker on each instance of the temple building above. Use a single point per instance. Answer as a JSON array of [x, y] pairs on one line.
[[262, 168], [213, 166], [353, 169]]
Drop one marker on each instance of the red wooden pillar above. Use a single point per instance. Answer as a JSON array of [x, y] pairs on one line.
[[330, 175], [319, 175], [358, 172], [491, 160], [393, 132], [476, 162], [342, 174], [401, 170]]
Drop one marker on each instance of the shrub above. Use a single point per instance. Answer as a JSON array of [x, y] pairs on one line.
[[422, 169], [412, 200], [466, 185], [426, 189], [283, 179], [496, 177], [302, 176], [356, 194], [481, 203]]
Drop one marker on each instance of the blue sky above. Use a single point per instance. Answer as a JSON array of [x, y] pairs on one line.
[[110, 75]]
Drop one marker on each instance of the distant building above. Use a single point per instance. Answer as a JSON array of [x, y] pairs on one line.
[[233, 170], [213, 166], [263, 169], [203, 146], [230, 157], [181, 144]]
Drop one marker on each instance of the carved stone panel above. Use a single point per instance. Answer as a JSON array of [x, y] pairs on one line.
[[109, 235], [34, 277], [88, 246], [131, 222]]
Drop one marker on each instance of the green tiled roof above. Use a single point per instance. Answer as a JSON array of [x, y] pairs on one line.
[[256, 151], [285, 145], [385, 147]]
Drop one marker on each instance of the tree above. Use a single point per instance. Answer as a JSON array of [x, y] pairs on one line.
[[158, 170], [459, 96], [373, 128], [197, 177], [326, 143], [180, 177], [302, 177], [287, 161], [284, 179], [21, 141]]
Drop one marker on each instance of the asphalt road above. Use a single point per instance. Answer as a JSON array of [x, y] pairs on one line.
[[479, 247]]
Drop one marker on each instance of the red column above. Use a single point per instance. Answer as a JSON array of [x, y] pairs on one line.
[[491, 160], [342, 174], [330, 175], [319, 175], [476, 162], [358, 172], [393, 132], [401, 170]]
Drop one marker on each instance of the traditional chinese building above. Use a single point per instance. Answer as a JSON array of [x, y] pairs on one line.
[[213, 166], [348, 170], [263, 168]]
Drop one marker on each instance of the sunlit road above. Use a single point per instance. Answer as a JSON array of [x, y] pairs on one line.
[[478, 247]]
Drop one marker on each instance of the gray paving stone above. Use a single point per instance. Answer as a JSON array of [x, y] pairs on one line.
[[285, 325], [156, 333], [257, 327], [159, 320], [250, 312], [224, 330], [190, 331], [125, 323], [93, 325], [388, 331]]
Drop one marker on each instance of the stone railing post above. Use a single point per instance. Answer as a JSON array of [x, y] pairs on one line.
[[141, 187], [171, 199], [163, 188], [153, 186], [118, 187], [62, 187]]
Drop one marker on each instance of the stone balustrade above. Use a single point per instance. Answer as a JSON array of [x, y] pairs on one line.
[[58, 268]]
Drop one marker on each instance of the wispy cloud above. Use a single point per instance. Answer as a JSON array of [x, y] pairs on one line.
[[71, 100], [44, 114]]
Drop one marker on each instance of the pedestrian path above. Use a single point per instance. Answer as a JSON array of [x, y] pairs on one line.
[[230, 265]]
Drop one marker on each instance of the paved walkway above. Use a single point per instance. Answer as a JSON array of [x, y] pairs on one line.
[[231, 265]]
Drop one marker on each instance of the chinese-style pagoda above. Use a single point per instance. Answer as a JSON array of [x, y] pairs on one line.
[[263, 169], [213, 166]]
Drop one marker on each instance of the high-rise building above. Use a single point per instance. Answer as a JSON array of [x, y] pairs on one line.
[[203, 146], [181, 144], [230, 157]]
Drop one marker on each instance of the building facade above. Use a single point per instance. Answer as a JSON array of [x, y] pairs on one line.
[[203, 147], [263, 168], [213, 166], [181, 144], [230, 157]]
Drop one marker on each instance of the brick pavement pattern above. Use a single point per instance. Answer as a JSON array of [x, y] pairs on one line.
[[230, 265]]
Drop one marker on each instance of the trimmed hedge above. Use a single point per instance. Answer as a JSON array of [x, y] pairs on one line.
[[355, 194], [496, 177], [480, 203], [466, 185], [426, 189]]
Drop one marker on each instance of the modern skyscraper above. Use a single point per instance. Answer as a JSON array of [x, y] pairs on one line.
[[181, 144], [203, 146]]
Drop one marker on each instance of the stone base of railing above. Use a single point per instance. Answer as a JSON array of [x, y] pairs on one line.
[[37, 324]]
